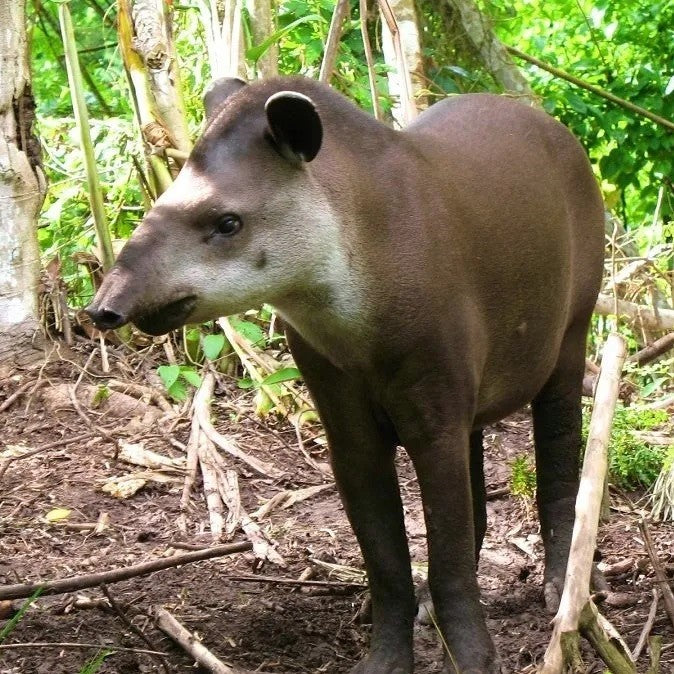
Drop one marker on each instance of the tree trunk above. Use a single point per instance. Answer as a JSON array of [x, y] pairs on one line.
[[261, 27], [408, 26], [153, 40], [491, 51], [22, 188]]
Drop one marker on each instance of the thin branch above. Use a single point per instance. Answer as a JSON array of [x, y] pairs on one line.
[[648, 625], [73, 644], [409, 106], [21, 591], [598, 91], [660, 576], [189, 642], [332, 43], [134, 628], [367, 48]]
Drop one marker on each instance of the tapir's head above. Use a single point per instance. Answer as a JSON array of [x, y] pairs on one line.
[[245, 222]]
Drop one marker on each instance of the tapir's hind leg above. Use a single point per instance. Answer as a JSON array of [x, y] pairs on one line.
[[557, 434]]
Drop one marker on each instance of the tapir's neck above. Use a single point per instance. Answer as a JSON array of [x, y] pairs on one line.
[[332, 309], [348, 288]]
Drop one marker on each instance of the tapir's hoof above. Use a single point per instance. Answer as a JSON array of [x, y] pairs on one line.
[[552, 595], [553, 588]]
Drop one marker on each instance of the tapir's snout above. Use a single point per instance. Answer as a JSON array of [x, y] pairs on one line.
[[105, 318], [157, 320]]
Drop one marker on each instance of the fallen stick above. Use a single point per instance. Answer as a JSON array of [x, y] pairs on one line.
[[576, 610], [660, 575], [124, 619], [648, 625], [201, 414], [140, 391], [341, 584], [6, 404], [24, 590], [188, 642], [74, 644], [654, 319], [652, 351]]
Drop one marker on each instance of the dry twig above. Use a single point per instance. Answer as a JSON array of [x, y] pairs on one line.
[[22, 591], [660, 575], [170, 626], [648, 625], [134, 628]]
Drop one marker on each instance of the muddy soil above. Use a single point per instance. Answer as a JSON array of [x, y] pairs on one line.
[[261, 625]]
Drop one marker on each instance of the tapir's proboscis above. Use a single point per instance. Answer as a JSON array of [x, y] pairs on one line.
[[432, 281]]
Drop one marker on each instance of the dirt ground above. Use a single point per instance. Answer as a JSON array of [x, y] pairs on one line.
[[262, 625]]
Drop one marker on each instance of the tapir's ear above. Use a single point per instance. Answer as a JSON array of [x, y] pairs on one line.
[[219, 91], [294, 125]]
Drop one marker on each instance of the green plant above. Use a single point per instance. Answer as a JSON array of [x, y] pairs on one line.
[[522, 477], [11, 624], [94, 664], [633, 461], [176, 378]]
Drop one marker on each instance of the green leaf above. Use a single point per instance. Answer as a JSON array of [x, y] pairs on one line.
[[254, 53], [191, 376], [169, 374], [213, 345], [177, 390], [245, 383], [251, 331], [284, 374]]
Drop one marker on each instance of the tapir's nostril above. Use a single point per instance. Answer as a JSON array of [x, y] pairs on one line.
[[105, 318]]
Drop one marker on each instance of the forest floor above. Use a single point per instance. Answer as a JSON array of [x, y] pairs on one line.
[[263, 625]]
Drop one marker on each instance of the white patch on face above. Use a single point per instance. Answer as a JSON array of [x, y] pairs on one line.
[[306, 273]]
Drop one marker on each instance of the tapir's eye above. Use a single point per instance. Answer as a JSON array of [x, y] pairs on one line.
[[228, 224]]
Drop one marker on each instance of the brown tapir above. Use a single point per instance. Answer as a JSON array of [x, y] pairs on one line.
[[432, 280]]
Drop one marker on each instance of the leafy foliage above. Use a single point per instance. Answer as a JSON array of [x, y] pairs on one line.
[[617, 45], [522, 477], [632, 461]]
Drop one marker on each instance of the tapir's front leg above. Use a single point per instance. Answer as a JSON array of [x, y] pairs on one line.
[[362, 450], [433, 416]]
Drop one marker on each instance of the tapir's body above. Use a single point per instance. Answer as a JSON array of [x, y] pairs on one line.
[[433, 280]]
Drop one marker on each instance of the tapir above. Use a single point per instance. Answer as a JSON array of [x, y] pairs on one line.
[[432, 280]]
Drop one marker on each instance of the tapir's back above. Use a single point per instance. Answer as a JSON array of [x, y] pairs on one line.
[[525, 223]]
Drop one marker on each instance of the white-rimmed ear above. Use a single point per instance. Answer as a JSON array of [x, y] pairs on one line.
[[218, 92], [295, 125]]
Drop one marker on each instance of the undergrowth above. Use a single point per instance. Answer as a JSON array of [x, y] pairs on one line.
[[633, 462]]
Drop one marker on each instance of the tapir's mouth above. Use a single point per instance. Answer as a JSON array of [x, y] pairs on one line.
[[167, 317]]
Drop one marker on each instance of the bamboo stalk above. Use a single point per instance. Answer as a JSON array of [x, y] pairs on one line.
[[332, 43], [367, 47], [82, 120], [409, 107]]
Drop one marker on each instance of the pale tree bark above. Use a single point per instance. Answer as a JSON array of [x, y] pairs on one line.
[[153, 40], [491, 51], [223, 38], [22, 188], [408, 26], [261, 27]]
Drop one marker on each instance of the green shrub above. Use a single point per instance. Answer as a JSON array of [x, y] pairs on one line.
[[633, 462]]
